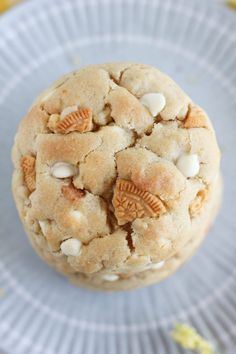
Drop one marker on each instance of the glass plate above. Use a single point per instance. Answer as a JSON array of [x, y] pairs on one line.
[[195, 43]]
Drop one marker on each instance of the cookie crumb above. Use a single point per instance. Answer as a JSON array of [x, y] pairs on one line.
[[72, 193], [188, 338], [196, 118]]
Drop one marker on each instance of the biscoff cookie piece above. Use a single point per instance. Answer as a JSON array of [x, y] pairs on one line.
[[116, 175]]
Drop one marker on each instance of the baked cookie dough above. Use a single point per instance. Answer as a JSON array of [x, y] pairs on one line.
[[116, 175]]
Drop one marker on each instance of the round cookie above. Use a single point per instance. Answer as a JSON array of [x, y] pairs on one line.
[[116, 175]]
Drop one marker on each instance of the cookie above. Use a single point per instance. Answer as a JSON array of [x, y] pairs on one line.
[[116, 175]]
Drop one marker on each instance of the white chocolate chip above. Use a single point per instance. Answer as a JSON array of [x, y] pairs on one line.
[[103, 117], [110, 277], [43, 226], [143, 267], [182, 112], [135, 263], [155, 102], [68, 110], [158, 265], [188, 164], [71, 247], [63, 170]]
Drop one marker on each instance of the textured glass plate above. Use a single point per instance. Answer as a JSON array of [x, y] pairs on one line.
[[194, 42]]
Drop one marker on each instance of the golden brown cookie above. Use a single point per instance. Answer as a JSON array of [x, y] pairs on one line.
[[116, 175]]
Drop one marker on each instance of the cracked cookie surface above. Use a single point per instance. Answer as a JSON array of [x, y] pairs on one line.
[[116, 172]]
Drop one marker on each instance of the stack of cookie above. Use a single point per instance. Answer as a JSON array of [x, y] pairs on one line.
[[116, 176]]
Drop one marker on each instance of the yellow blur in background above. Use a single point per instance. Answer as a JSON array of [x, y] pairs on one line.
[[232, 3], [6, 4]]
